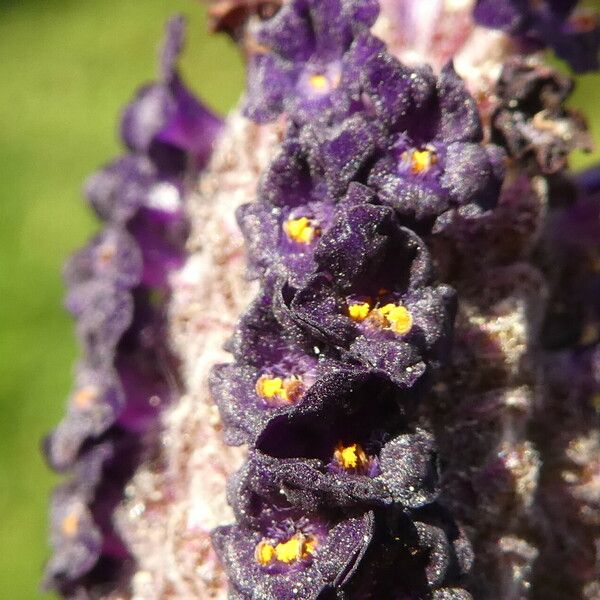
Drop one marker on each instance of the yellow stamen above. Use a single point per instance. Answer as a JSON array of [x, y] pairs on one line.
[[85, 397], [289, 551], [319, 82], [359, 311], [287, 389], [421, 160], [396, 317], [350, 457], [296, 548], [70, 524], [310, 545], [264, 553], [300, 230]]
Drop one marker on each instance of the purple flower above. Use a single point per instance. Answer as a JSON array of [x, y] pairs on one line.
[[87, 550], [415, 139], [433, 162], [306, 58], [165, 121], [348, 445], [111, 256], [291, 555], [284, 237], [93, 407], [103, 313], [423, 554], [273, 373], [573, 35], [531, 121], [171, 135], [132, 193], [279, 550], [372, 297]]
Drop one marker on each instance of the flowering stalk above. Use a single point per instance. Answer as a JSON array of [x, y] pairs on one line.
[[407, 410]]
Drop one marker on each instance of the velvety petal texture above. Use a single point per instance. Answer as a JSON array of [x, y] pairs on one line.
[[118, 286], [303, 58], [333, 357]]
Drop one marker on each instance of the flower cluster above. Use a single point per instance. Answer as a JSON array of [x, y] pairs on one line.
[[118, 285], [571, 31], [338, 495], [376, 410]]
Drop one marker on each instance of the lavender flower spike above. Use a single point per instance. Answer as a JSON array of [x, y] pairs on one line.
[[345, 345]]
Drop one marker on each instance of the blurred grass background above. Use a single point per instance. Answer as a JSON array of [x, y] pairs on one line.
[[67, 67]]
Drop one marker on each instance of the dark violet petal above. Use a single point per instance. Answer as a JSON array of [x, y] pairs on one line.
[[388, 85], [270, 81], [316, 310], [233, 389], [341, 151], [191, 127], [287, 180], [165, 119], [146, 389], [93, 407], [331, 27], [435, 540], [236, 548], [470, 176], [399, 360], [355, 241], [146, 116], [75, 537], [259, 223], [355, 61], [290, 32], [119, 189], [459, 119], [409, 469], [161, 238], [103, 314], [346, 545], [172, 47], [500, 14], [111, 256], [365, 243], [363, 11], [259, 339]]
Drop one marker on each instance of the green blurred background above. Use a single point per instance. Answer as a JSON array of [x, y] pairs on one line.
[[66, 68]]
